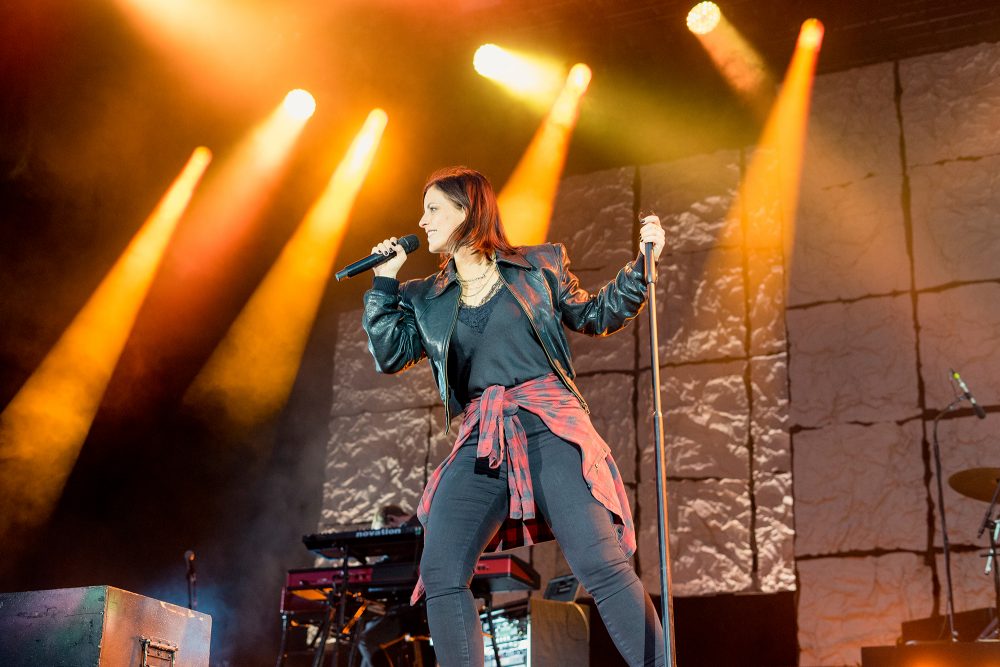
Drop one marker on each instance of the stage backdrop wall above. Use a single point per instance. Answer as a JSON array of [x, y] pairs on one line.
[[799, 379]]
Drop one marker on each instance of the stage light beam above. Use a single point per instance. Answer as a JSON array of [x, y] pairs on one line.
[[769, 192], [43, 428], [206, 264], [250, 375], [523, 75], [527, 199], [704, 18]]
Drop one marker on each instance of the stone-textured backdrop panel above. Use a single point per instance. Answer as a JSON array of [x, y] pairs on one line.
[[860, 488], [960, 329], [709, 536], [593, 217], [847, 603], [849, 241], [852, 362], [694, 199], [853, 127], [949, 103], [774, 532], [701, 309], [358, 387], [947, 198], [766, 300], [373, 460], [705, 421], [769, 414]]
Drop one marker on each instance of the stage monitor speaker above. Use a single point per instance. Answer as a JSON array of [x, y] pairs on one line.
[[562, 589], [541, 633], [99, 626], [933, 654], [969, 625]]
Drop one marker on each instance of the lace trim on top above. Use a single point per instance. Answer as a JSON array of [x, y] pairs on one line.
[[476, 317]]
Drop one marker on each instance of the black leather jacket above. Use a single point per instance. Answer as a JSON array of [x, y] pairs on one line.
[[418, 319]]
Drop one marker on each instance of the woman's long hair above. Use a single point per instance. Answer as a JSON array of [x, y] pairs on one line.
[[482, 229]]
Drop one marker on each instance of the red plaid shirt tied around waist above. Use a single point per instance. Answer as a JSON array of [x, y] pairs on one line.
[[502, 441]]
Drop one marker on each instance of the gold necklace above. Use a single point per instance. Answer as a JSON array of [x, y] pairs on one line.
[[468, 296], [467, 281]]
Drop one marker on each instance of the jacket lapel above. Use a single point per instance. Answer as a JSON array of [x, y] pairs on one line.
[[437, 310]]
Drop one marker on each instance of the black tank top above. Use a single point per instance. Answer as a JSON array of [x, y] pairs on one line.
[[493, 343]]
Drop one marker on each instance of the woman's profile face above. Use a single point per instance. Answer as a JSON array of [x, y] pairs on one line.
[[441, 218]]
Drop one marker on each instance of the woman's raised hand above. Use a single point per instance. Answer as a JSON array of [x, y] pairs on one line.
[[652, 232], [391, 267]]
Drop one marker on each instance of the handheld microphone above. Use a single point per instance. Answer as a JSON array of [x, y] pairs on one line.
[[408, 242], [968, 394]]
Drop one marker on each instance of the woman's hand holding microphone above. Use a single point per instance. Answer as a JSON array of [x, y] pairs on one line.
[[390, 268]]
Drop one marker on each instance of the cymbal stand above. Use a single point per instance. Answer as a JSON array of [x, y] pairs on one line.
[[952, 635], [991, 565]]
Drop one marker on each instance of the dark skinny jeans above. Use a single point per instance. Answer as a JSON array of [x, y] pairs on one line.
[[469, 507]]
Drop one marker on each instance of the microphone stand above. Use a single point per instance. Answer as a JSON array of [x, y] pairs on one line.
[[944, 524], [991, 560], [192, 580], [666, 599]]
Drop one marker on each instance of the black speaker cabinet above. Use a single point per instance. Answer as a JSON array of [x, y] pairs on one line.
[[99, 626]]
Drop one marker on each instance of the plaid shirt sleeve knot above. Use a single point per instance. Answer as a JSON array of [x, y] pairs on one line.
[[502, 441]]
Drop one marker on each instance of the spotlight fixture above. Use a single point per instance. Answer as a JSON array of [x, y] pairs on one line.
[[579, 77], [811, 34], [299, 104], [488, 59], [703, 18]]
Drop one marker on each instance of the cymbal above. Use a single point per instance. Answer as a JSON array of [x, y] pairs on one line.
[[977, 483]]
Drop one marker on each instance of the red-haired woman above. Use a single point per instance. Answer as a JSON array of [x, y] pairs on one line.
[[527, 463]]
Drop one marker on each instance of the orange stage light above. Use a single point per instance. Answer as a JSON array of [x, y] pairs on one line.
[[44, 426], [527, 199], [530, 77], [251, 372], [299, 104], [703, 18], [811, 34], [738, 62]]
